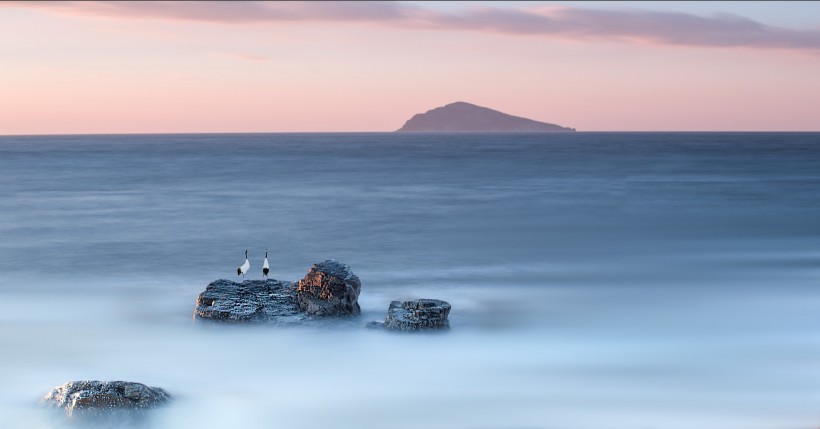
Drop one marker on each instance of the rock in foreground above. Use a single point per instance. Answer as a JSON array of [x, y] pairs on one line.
[[329, 289], [415, 315], [102, 398]]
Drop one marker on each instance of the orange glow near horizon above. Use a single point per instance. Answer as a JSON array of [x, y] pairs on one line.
[[82, 72]]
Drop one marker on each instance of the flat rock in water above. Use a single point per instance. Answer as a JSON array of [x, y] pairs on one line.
[[250, 301], [329, 289], [415, 315], [104, 398]]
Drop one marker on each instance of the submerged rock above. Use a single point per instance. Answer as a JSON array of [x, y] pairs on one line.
[[415, 315], [104, 398], [249, 301], [329, 289]]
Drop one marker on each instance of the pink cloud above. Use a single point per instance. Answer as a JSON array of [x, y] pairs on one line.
[[230, 12], [669, 28], [252, 57]]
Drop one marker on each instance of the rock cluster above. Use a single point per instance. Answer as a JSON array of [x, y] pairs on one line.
[[329, 289], [415, 315], [101, 398]]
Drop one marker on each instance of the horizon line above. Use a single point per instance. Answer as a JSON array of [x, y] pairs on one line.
[[413, 132]]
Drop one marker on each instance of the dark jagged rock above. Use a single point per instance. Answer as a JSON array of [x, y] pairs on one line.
[[465, 117], [415, 315], [329, 289], [250, 301], [104, 398]]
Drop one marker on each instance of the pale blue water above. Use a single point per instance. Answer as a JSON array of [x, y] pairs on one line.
[[597, 279]]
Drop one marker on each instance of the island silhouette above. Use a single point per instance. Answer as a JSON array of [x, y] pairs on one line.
[[462, 117]]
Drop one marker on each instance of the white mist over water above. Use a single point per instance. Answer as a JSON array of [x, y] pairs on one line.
[[627, 281]]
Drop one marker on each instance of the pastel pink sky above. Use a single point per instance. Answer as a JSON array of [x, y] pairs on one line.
[[153, 67]]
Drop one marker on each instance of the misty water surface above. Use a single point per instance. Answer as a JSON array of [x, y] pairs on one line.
[[597, 280]]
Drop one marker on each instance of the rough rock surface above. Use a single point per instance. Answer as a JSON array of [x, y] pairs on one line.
[[100, 398], [250, 301], [329, 289], [415, 315]]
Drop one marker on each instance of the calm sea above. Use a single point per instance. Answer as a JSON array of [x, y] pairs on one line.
[[618, 280]]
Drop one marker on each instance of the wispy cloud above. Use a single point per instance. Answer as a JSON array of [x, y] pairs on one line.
[[629, 25], [230, 12], [251, 57]]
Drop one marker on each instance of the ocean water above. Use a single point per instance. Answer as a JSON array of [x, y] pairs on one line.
[[619, 280]]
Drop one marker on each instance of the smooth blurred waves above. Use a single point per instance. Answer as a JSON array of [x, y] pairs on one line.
[[619, 280]]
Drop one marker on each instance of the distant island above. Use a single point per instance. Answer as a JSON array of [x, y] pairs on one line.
[[461, 117]]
